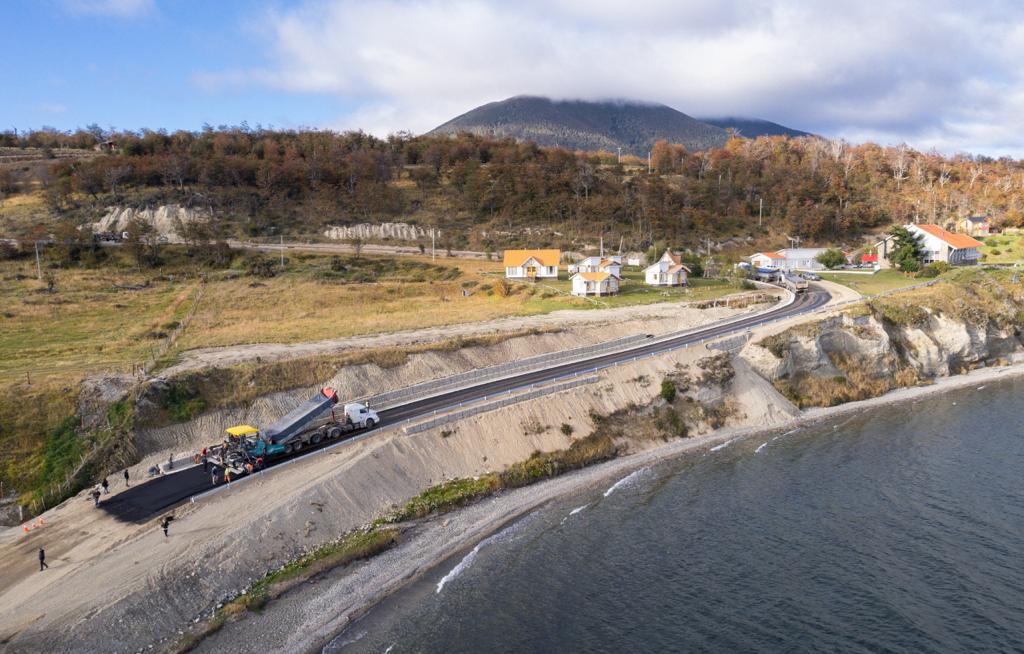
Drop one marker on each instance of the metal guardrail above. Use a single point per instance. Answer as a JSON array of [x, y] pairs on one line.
[[433, 387], [491, 406]]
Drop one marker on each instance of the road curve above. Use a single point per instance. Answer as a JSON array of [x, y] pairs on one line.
[[140, 503]]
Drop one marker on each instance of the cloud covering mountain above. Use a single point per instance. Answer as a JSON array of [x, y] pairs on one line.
[[933, 73]]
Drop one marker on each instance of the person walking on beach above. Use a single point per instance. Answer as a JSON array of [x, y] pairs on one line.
[[42, 560], [126, 483], [106, 486], [165, 523]]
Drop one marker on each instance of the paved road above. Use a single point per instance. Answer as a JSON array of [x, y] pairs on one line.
[[142, 502]]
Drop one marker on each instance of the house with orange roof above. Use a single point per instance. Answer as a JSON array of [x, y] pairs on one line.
[[595, 283], [669, 270], [939, 245], [531, 265]]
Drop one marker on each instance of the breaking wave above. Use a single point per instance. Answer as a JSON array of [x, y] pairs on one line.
[[624, 481], [467, 560]]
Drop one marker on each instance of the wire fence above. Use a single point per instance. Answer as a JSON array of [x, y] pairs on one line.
[[59, 491]]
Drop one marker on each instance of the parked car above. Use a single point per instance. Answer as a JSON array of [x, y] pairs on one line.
[[811, 277]]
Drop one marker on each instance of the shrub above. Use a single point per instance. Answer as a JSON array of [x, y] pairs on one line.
[[503, 288], [566, 429], [668, 390]]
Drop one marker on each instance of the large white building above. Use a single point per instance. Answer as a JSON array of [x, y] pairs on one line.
[[789, 259], [939, 245]]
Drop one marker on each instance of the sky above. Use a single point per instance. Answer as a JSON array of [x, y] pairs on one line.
[[931, 73]]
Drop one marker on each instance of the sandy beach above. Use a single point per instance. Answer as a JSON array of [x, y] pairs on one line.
[[309, 616]]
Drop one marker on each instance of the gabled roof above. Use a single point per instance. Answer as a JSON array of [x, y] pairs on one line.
[[770, 255], [977, 219], [677, 267], [958, 241], [608, 262], [595, 276], [675, 258], [543, 257]]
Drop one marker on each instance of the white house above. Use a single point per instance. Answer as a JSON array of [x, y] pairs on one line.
[[595, 283], [611, 265], [772, 260], [532, 264], [667, 271], [939, 245]]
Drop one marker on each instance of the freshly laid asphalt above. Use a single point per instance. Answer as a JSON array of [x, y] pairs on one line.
[[144, 500]]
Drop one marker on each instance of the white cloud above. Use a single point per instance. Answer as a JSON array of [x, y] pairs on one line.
[[928, 72], [115, 8]]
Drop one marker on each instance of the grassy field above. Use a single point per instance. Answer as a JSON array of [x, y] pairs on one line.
[[1002, 248], [552, 295], [881, 281]]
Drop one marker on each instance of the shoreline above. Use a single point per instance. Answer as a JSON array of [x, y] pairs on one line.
[[437, 539]]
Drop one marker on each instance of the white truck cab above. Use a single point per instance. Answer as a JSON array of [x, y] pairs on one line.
[[361, 416]]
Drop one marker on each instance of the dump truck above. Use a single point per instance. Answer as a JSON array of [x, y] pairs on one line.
[[247, 449], [794, 283]]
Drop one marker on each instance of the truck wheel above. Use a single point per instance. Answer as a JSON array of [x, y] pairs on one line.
[[333, 432], [296, 446], [316, 437], [369, 423]]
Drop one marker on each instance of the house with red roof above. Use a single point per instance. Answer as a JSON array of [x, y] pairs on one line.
[[939, 245]]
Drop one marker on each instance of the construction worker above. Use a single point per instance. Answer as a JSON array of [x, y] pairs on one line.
[[206, 463], [227, 476], [126, 481], [259, 463], [106, 485], [165, 523], [96, 495], [42, 559]]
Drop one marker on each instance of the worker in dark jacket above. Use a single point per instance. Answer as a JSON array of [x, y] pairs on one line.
[[165, 523], [126, 483], [96, 496], [106, 485], [42, 559]]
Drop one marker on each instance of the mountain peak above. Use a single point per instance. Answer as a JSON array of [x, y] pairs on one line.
[[586, 125]]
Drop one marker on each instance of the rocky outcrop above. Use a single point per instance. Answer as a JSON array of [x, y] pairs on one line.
[[167, 220], [380, 232], [937, 346]]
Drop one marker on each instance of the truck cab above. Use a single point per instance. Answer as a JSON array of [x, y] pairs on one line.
[[361, 416]]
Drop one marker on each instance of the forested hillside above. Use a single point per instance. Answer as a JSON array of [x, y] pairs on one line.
[[494, 193]]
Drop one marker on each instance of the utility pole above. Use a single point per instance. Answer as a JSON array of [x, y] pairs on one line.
[[619, 159], [602, 246], [282, 251], [39, 268], [760, 211], [433, 244], [648, 162]]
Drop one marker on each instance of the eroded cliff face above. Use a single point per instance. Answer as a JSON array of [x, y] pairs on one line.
[[166, 220], [380, 232], [871, 349]]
